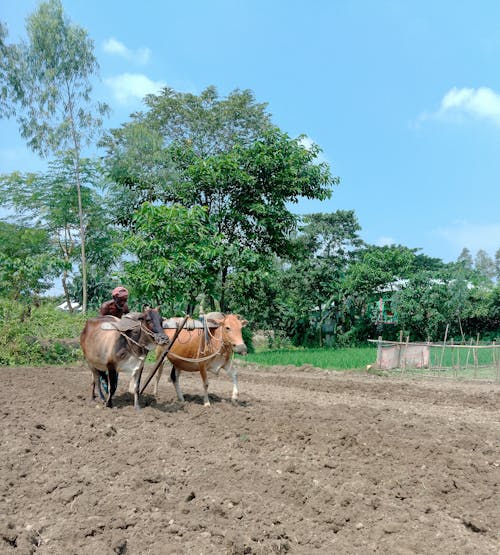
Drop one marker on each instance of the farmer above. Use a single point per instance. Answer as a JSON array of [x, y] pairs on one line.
[[117, 306]]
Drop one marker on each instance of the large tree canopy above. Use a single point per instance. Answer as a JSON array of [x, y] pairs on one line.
[[47, 79], [27, 261], [48, 201], [222, 154]]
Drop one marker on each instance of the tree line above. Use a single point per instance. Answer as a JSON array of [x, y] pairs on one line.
[[190, 203]]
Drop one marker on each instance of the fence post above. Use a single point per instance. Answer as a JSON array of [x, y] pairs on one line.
[[406, 352], [444, 346], [476, 361], [496, 359], [379, 352]]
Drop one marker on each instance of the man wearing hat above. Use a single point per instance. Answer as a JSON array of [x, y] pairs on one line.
[[117, 306]]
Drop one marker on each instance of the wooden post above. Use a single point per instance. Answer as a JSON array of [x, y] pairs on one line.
[[406, 351], [497, 360], [164, 354], [452, 345], [468, 355], [379, 352], [444, 346], [476, 361]]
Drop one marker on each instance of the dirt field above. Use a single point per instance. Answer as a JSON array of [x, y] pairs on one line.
[[307, 462]]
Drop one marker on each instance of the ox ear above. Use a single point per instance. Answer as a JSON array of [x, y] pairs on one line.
[[243, 323], [145, 307], [215, 318]]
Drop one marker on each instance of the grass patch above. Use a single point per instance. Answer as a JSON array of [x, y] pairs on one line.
[[335, 359]]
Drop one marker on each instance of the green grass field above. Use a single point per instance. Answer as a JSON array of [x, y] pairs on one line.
[[357, 358], [335, 359]]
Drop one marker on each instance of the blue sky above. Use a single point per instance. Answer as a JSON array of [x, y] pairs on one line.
[[402, 96]]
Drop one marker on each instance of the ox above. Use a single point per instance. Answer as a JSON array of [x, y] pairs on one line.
[[111, 345], [207, 348]]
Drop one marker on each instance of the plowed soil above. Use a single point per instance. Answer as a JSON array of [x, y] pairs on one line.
[[306, 462]]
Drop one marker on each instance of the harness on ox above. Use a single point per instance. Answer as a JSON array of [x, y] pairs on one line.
[[128, 323], [205, 346], [207, 323]]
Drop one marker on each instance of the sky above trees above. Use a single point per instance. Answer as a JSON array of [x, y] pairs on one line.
[[403, 98]]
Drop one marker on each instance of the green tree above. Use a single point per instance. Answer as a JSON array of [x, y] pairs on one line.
[[175, 251], [9, 86], [50, 83], [225, 156], [497, 265], [27, 261], [49, 201], [423, 307], [484, 264], [465, 259], [311, 279]]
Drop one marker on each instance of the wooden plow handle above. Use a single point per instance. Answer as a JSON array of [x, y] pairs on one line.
[[164, 354]]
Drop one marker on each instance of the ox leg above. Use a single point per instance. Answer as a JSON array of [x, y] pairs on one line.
[[137, 386], [157, 380], [95, 381], [112, 381], [204, 379], [96, 384], [233, 374], [174, 376]]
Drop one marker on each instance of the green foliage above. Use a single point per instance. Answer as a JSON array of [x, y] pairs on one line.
[[484, 264], [27, 262], [38, 334], [49, 91], [49, 202], [53, 72], [310, 281], [225, 156], [175, 255], [333, 359]]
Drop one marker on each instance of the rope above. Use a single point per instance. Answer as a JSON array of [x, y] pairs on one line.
[[129, 339], [202, 359]]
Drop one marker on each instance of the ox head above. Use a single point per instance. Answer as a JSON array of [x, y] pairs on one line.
[[231, 326], [153, 322]]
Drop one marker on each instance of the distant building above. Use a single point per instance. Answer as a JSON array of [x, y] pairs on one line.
[[74, 305]]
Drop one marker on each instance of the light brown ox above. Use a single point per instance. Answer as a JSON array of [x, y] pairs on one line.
[[200, 350], [111, 345]]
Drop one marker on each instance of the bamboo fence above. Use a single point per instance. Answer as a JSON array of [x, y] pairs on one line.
[[469, 360]]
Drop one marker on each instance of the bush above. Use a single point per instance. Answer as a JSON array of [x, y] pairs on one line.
[[38, 334]]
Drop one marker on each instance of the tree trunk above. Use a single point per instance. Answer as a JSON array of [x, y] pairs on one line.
[[223, 289], [76, 160]]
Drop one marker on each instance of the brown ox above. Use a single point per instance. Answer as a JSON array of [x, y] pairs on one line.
[[111, 345], [209, 348]]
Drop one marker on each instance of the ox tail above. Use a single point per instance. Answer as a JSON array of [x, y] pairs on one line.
[[173, 376]]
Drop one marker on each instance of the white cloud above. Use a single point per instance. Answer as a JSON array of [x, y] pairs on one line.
[[472, 236], [308, 143], [385, 241], [115, 47], [129, 87], [460, 104]]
